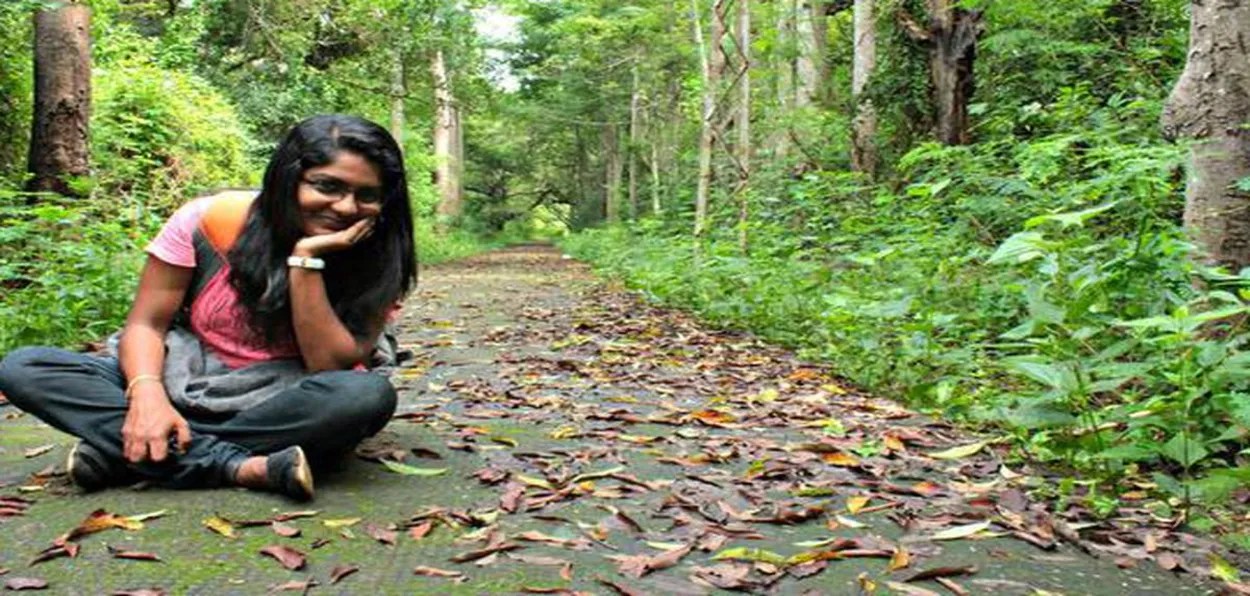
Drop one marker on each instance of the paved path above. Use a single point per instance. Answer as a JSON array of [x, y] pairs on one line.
[[592, 444]]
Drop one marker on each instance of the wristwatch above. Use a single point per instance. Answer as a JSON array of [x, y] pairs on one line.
[[306, 263]]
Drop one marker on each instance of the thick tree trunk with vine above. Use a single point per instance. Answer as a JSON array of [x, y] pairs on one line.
[[951, 37], [446, 173], [1210, 106], [59, 139], [864, 129]]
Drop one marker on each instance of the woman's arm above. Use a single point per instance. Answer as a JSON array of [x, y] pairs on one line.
[[324, 341], [151, 418]]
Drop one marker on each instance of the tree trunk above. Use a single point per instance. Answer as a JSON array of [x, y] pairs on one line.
[[635, 102], [446, 174], [707, 131], [952, 40], [611, 174], [1211, 106], [811, 32], [398, 90], [864, 128], [59, 136], [743, 123]]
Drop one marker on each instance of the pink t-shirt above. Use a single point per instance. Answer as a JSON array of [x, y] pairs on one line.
[[217, 317]]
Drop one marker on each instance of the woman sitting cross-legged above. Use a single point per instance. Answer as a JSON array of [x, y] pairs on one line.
[[243, 358]]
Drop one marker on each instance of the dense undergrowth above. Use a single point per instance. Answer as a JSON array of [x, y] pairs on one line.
[[1040, 286]]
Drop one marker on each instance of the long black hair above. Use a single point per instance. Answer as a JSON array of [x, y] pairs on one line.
[[363, 281]]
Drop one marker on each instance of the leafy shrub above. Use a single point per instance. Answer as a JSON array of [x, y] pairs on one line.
[[159, 136]]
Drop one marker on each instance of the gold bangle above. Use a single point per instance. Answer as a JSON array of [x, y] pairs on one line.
[[138, 379]]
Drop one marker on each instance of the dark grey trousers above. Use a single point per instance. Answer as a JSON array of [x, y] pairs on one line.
[[326, 413]]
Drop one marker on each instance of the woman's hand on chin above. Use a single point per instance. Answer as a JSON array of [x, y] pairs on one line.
[[323, 244]]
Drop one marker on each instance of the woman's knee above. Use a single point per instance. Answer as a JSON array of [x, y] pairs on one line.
[[358, 397], [19, 372]]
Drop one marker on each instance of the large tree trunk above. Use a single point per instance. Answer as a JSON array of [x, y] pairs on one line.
[[59, 137], [952, 40], [811, 33], [864, 129], [446, 174], [1211, 106], [743, 122]]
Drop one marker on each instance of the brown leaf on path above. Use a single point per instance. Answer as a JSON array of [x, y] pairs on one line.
[[421, 530], [435, 572], [4, 570], [132, 555], [620, 588], [511, 498], [711, 541], [566, 572], [491, 475], [950, 584], [1125, 562], [539, 560], [570, 543], [140, 592], [808, 569], [625, 520], [1035, 540], [318, 543], [942, 572], [725, 577], [1170, 562], [338, 573], [25, 583], [485, 552], [381, 534], [294, 586], [68, 549], [284, 530], [425, 453], [640, 565], [287, 556]]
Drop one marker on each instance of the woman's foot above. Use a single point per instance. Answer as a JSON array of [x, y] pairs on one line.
[[286, 472]]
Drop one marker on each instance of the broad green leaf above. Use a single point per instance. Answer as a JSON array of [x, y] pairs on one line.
[[1020, 248], [1184, 450]]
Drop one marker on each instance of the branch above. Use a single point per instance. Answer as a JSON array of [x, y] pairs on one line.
[[913, 29]]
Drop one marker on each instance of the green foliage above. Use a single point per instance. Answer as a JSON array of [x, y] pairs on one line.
[[68, 276], [160, 136]]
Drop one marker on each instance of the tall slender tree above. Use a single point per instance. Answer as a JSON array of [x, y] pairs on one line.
[[59, 137], [1210, 106], [864, 130], [446, 123]]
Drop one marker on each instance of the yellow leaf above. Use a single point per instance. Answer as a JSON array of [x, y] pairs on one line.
[[893, 443], [530, 480], [565, 432], [341, 523], [900, 560], [848, 522], [840, 459], [854, 504], [960, 452], [220, 526], [1222, 570]]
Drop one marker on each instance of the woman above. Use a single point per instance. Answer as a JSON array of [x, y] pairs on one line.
[[245, 347]]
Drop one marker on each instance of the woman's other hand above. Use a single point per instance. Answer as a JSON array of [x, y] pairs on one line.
[[150, 421], [322, 244]]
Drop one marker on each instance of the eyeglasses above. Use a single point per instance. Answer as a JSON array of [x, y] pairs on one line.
[[338, 190]]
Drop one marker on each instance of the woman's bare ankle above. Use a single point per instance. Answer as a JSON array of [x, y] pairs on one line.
[[253, 473]]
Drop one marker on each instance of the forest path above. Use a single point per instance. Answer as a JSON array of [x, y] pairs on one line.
[[593, 443]]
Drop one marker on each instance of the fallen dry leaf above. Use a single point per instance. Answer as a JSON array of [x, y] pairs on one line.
[[294, 586], [37, 451], [220, 526], [25, 583], [435, 572], [284, 530], [485, 552], [960, 532], [941, 572], [287, 556], [338, 573], [132, 555]]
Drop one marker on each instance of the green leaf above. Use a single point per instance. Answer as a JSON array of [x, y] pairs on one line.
[[961, 451], [408, 470], [1184, 450], [1021, 247], [1048, 373], [756, 555]]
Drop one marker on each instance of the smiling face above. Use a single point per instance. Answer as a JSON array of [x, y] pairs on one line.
[[335, 196]]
